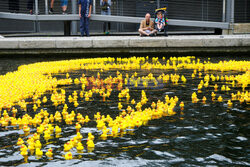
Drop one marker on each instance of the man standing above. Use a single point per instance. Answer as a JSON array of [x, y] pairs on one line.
[[85, 7], [147, 27]]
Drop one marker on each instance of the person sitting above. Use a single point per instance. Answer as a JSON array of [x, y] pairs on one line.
[[147, 27], [160, 21]]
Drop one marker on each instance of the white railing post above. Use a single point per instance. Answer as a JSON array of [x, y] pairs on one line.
[[74, 23], [232, 16], [94, 7], [224, 11], [46, 7]]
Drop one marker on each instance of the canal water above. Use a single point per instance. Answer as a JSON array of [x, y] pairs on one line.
[[209, 134]]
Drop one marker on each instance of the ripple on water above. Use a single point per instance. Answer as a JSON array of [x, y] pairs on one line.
[[218, 157], [241, 138]]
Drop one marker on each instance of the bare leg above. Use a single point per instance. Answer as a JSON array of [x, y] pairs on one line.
[[143, 32], [64, 8], [153, 32], [158, 26], [52, 4]]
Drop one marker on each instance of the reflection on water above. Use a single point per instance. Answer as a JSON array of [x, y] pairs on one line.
[[201, 134]]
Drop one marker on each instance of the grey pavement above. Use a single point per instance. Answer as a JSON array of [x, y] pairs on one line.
[[125, 42]]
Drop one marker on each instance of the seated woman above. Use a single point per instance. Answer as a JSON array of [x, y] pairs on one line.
[[160, 21]]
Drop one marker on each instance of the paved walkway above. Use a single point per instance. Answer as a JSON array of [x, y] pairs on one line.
[[99, 44]]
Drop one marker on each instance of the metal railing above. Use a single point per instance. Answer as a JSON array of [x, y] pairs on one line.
[[207, 13]]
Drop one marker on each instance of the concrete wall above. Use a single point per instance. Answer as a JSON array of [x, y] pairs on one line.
[[121, 44]]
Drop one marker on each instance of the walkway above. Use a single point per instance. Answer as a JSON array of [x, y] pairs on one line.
[[121, 44]]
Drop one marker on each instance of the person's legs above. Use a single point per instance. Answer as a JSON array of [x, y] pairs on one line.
[[64, 4], [143, 33], [109, 25], [51, 7], [82, 26], [104, 27], [52, 4], [153, 33], [86, 26], [30, 6]]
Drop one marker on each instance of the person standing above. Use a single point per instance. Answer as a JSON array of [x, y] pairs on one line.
[[106, 10], [85, 8], [14, 6], [51, 11]]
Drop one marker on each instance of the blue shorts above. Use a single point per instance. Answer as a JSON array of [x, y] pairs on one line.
[[64, 2]]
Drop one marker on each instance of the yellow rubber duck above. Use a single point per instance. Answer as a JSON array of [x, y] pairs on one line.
[[23, 148], [133, 101], [31, 146], [204, 99], [79, 146], [67, 146], [182, 104], [35, 107], [206, 84], [220, 99], [119, 106], [39, 152], [14, 111], [20, 141], [76, 104], [36, 136], [44, 99], [38, 144], [51, 118], [49, 153], [227, 88], [70, 99], [24, 152], [87, 119], [229, 103], [104, 135], [213, 95], [79, 117], [47, 136], [58, 129], [68, 156], [234, 96], [90, 144], [26, 129], [78, 136], [90, 136], [215, 87], [78, 127]]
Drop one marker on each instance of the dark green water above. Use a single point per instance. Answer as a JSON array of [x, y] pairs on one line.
[[203, 135]]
